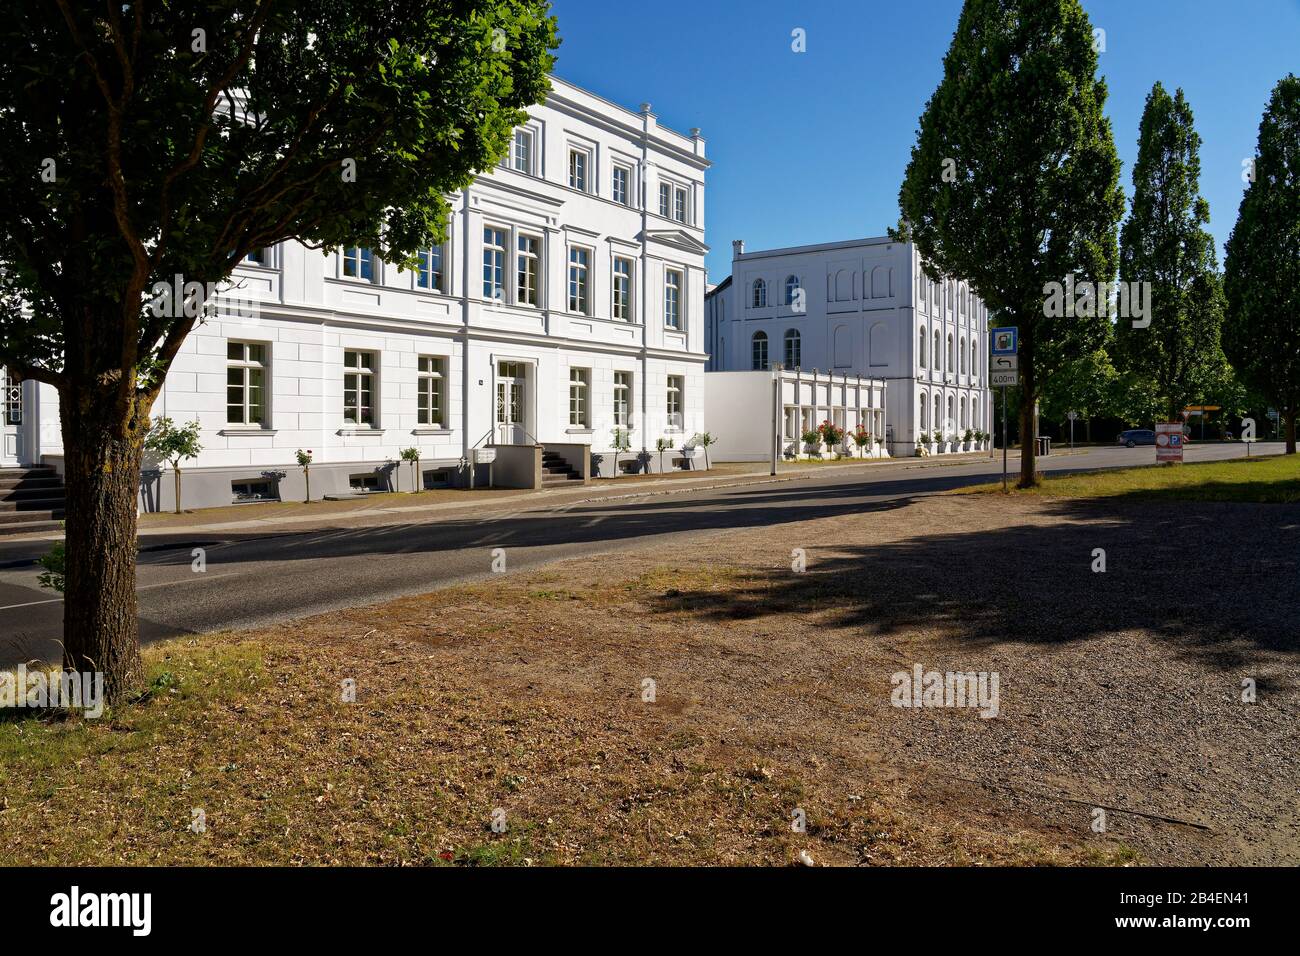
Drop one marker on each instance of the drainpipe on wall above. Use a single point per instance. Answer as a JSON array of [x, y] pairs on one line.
[[464, 345]]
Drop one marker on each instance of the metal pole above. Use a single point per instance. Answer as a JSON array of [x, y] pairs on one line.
[[1004, 440], [776, 418]]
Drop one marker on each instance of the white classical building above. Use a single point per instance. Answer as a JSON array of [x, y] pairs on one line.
[[862, 314], [567, 302]]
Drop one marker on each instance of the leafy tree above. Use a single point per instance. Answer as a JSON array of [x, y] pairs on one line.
[[174, 444], [1262, 331], [1164, 243], [621, 440], [1014, 180], [412, 455], [1084, 384], [147, 141], [304, 459], [661, 446]]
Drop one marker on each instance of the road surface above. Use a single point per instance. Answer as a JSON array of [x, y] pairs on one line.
[[270, 574]]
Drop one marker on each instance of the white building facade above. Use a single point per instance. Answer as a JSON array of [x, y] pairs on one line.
[[859, 310], [567, 302]]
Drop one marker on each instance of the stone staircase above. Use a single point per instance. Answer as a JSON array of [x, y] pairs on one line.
[[556, 471], [31, 499]]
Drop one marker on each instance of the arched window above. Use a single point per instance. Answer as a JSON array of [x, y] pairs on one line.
[[924, 410], [758, 350], [792, 287], [974, 357], [963, 355], [937, 423], [920, 349], [760, 294], [952, 421], [793, 349], [963, 413], [937, 355], [952, 355]]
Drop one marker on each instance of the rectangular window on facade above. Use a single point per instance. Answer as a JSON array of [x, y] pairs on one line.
[[259, 257], [494, 263], [622, 287], [622, 177], [245, 383], [679, 204], [579, 392], [579, 283], [430, 274], [673, 299], [665, 199], [674, 401], [578, 160], [522, 148], [359, 387], [431, 385], [529, 271], [358, 264], [622, 399]]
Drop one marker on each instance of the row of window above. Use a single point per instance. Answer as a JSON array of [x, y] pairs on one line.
[[960, 422], [758, 292], [248, 389], [522, 285], [580, 412], [247, 376], [674, 198], [956, 353], [960, 298]]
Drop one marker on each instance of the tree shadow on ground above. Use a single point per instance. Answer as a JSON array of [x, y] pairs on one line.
[[1218, 582]]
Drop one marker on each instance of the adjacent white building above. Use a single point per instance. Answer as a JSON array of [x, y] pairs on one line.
[[567, 302], [861, 313]]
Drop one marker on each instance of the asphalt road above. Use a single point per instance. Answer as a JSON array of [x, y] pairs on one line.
[[267, 575]]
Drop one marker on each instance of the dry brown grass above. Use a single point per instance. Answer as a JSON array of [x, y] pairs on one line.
[[524, 695]]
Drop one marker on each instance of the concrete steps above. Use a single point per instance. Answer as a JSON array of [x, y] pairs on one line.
[[31, 499], [557, 471]]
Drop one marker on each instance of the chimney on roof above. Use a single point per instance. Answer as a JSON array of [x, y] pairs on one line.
[[737, 247]]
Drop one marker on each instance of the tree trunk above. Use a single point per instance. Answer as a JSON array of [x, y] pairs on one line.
[[177, 472], [1290, 431], [102, 449]]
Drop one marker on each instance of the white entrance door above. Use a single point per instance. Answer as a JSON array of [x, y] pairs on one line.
[[11, 436], [512, 403]]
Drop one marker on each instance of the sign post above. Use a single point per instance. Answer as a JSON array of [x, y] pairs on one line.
[[1005, 368], [1072, 416]]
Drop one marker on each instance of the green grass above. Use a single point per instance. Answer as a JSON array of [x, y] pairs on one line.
[[1270, 480]]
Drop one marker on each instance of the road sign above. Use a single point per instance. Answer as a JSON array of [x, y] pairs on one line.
[[1071, 415], [1169, 441], [1003, 379], [1005, 363], [1006, 340]]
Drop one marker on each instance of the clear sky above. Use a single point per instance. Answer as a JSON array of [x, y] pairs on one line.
[[811, 147]]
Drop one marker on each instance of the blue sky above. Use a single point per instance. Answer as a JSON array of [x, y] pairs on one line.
[[811, 147]]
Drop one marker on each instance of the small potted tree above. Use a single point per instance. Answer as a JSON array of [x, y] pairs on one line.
[[413, 456], [174, 444], [968, 441], [661, 446], [304, 462], [833, 436], [812, 443], [704, 440], [621, 442], [861, 438]]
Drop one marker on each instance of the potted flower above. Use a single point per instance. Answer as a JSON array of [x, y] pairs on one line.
[[861, 438], [812, 443], [833, 436], [968, 441], [940, 443]]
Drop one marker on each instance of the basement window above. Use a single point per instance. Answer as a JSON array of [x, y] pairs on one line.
[[253, 489], [436, 479], [368, 481]]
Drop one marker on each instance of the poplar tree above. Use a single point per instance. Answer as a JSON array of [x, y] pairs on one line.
[[1013, 182]]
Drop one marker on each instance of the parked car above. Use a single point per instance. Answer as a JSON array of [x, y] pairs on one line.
[[1136, 436]]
